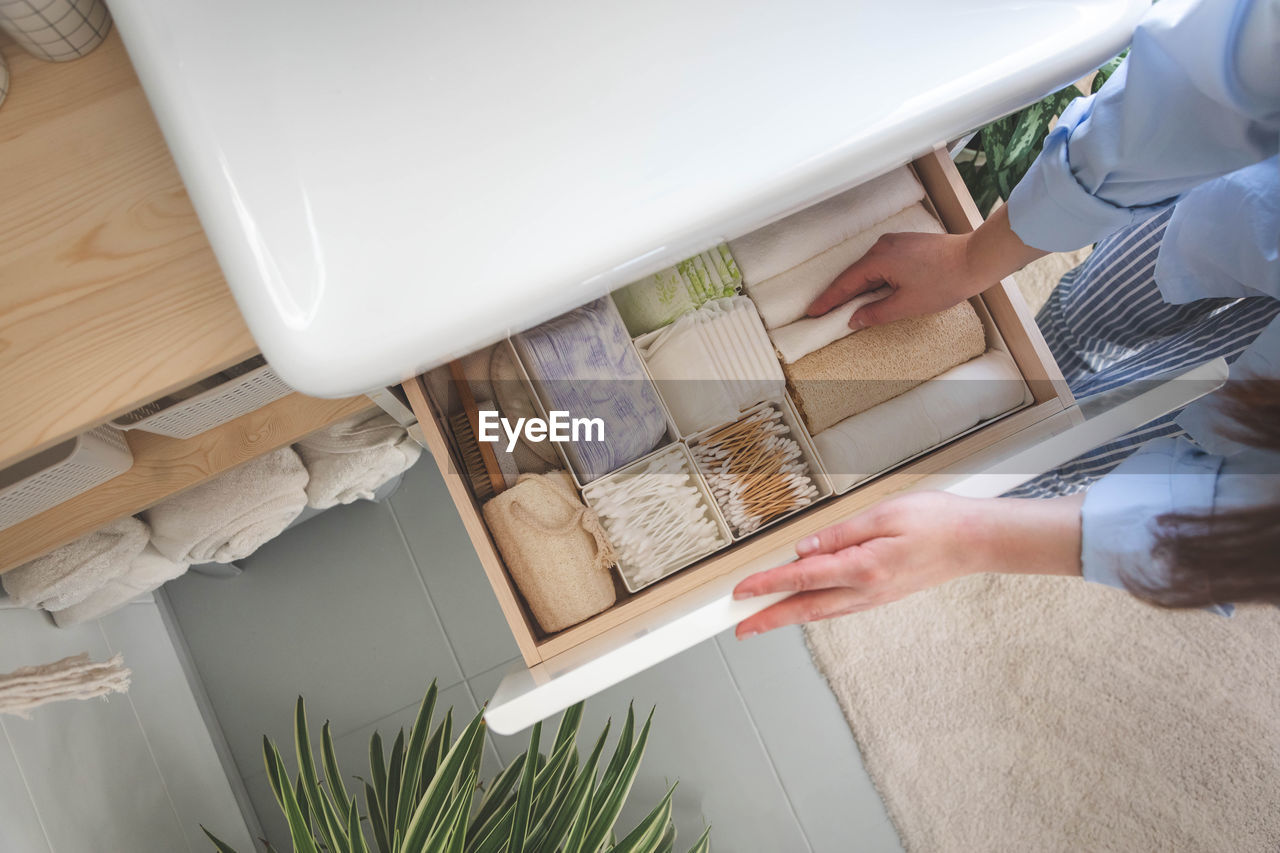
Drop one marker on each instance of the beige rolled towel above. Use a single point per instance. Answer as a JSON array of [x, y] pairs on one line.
[[554, 548], [70, 574], [232, 515], [147, 572], [877, 364], [350, 459]]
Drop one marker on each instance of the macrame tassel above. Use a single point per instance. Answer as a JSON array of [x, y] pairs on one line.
[[74, 677]]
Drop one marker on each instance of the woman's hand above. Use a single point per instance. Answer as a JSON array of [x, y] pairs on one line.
[[914, 542], [928, 272]]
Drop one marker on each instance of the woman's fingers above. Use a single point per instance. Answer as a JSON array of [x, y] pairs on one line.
[[892, 307], [862, 527], [820, 571], [863, 276], [804, 607]]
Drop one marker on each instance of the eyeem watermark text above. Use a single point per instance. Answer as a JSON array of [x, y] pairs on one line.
[[558, 427]]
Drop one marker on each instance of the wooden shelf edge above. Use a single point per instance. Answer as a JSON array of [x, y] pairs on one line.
[[110, 295], [165, 466]]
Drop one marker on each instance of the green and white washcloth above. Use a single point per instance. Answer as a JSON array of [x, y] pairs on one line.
[[657, 300]]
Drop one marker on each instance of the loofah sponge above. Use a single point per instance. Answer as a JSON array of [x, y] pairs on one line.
[[554, 548], [877, 364]]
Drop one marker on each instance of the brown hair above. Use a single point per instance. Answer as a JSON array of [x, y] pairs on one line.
[[1231, 556]]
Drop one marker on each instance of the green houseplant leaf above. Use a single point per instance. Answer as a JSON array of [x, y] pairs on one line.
[[1006, 148], [422, 797]]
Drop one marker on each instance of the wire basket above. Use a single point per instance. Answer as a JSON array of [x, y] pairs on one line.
[[60, 473], [210, 403]]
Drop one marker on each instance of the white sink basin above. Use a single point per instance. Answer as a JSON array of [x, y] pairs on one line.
[[390, 184]]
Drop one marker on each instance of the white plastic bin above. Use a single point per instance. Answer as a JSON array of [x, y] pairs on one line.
[[210, 403], [60, 473]]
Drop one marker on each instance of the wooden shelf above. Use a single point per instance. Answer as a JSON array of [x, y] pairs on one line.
[[165, 466], [109, 293]]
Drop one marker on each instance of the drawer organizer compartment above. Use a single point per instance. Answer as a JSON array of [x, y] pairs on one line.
[[732, 434]]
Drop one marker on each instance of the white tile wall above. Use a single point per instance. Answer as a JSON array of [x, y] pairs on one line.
[[133, 772], [359, 608]]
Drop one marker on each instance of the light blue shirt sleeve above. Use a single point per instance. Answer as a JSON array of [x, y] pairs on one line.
[[1197, 98], [1120, 512]]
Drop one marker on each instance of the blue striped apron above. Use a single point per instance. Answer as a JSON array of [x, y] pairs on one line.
[[1108, 325]]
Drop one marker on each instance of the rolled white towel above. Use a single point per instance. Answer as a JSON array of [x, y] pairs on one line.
[[147, 572], [929, 414], [232, 515], [796, 340], [70, 574], [767, 251], [349, 460], [785, 297]]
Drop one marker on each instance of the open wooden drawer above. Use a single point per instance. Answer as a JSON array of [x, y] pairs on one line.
[[657, 622]]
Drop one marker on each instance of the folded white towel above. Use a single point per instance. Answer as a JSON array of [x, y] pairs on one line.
[[796, 340], [147, 572], [349, 460], [784, 298], [928, 415], [712, 364], [72, 573], [231, 516], [764, 253]]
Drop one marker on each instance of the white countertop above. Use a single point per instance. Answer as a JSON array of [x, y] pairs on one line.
[[388, 185]]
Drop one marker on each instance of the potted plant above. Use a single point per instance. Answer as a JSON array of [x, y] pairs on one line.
[[426, 795]]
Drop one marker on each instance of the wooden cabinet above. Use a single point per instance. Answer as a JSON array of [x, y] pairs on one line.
[[110, 296]]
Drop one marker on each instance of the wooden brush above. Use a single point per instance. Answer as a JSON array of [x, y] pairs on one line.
[[478, 458]]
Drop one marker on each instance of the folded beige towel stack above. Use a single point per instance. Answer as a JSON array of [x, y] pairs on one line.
[[146, 573], [348, 461], [877, 364], [554, 548], [231, 516], [75, 677], [72, 573]]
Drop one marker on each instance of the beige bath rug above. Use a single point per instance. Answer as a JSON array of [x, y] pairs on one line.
[[1046, 714]]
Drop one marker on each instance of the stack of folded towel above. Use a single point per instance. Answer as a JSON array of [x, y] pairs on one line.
[[350, 459], [712, 364], [68, 575], [145, 573], [231, 516], [925, 416], [583, 363], [841, 381], [657, 300], [784, 298], [778, 247], [554, 549], [656, 516]]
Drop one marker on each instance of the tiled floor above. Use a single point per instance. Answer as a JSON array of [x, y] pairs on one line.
[[133, 772], [360, 608]]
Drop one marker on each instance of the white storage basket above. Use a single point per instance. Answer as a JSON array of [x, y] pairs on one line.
[[224, 397], [60, 473]]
